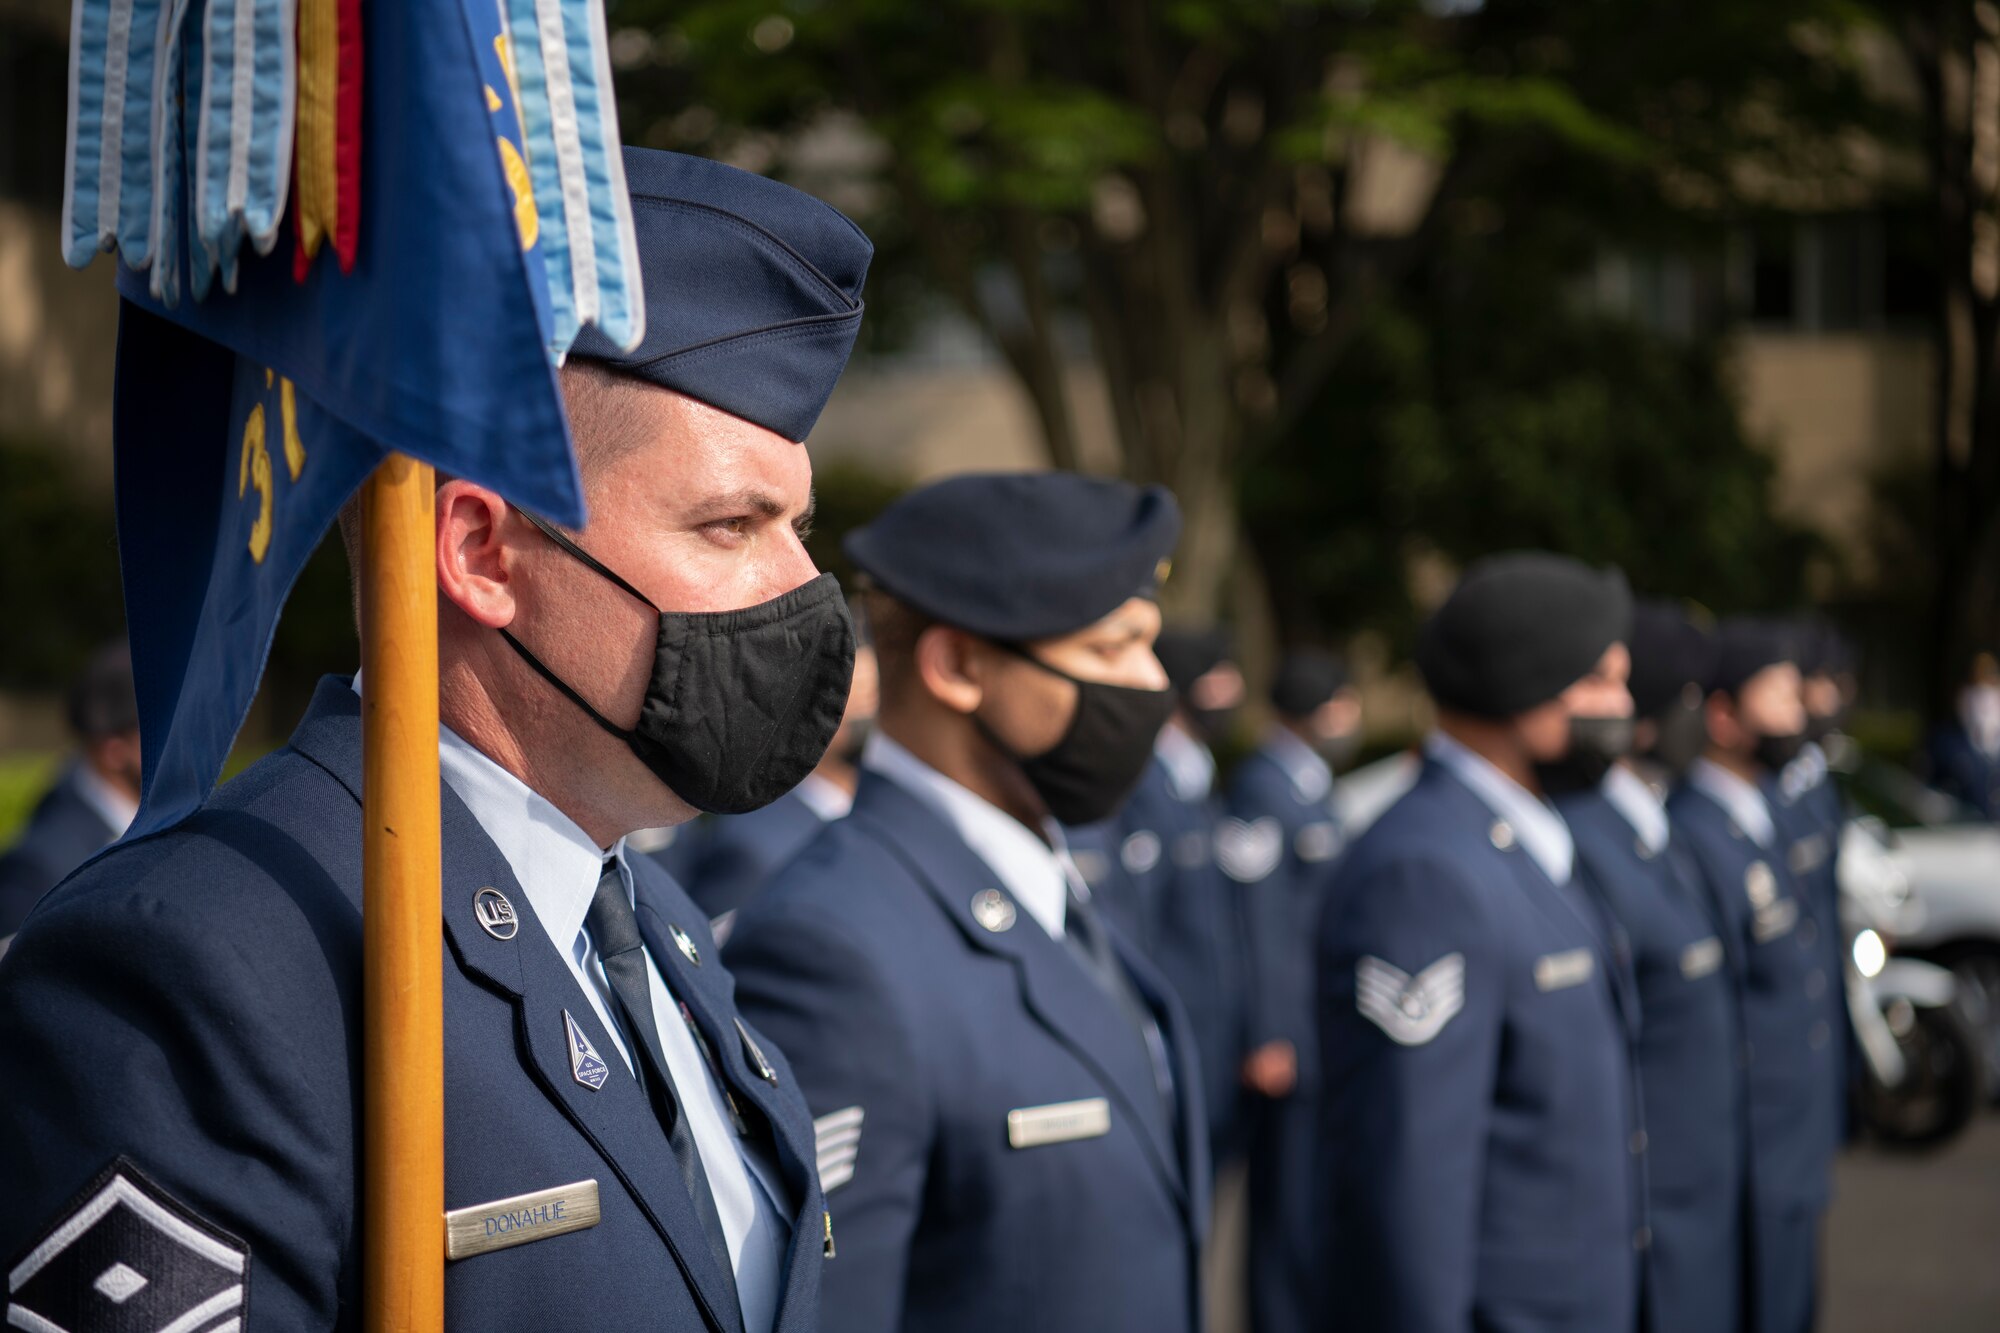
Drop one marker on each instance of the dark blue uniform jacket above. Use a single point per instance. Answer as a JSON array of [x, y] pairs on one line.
[[1689, 1042], [1961, 769], [1477, 1165], [1162, 847], [192, 1002], [933, 1032], [1771, 936], [64, 831]]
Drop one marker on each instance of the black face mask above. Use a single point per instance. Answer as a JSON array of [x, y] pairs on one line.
[[1683, 735], [1777, 752], [1088, 774], [1595, 744], [742, 704]]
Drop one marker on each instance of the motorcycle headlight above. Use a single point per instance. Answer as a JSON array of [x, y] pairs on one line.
[[1870, 953]]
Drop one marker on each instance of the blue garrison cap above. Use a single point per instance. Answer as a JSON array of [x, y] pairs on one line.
[[753, 290], [1019, 556]]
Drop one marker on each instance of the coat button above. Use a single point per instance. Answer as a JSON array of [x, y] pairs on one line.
[[1638, 1142], [1642, 1239]]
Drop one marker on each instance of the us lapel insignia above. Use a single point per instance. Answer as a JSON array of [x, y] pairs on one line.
[[991, 909], [1410, 1010], [495, 913], [585, 1065]]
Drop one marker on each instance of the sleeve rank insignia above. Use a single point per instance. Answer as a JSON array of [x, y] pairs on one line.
[[1410, 1009], [125, 1254]]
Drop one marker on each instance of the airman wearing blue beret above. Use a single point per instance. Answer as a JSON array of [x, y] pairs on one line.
[[180, 1023], [1480, 1129], [1007, 1096], [1728, 811]]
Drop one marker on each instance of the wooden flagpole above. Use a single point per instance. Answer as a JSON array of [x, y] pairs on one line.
[[402, 1070]]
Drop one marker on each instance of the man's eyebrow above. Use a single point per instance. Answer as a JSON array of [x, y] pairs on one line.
[[740, 504], [803, 524]]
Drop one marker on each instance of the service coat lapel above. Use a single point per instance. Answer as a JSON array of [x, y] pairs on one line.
[[616, 1118], [1054, 987], [709, 993]]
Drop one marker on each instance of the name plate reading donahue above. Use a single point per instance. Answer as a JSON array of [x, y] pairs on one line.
[[516, 1221], [1060, 1122]]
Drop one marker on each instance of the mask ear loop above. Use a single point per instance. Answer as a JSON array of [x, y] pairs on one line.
[[562, 686]]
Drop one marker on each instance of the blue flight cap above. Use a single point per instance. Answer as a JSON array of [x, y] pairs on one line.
[[753, 291], [1019, 556]]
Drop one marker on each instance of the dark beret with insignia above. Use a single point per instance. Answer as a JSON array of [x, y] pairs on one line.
[[753, 291], [1518, 630], [1019, 556], [1669, 653], [1305, 680], [1188, 654], [1746, 645]]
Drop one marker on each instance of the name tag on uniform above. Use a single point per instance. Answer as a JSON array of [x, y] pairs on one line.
[[1060, 1122], [1701, 958], [1775, 920], [1560, 971], [516, 1221]]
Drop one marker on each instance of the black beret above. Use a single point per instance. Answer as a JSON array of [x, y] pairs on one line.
[[1669, 653], [1520, 629], [102, 701], [1746, 645], [753, 291], [1019, 556], [1823, 650], [1189, 654], [1305, 680]]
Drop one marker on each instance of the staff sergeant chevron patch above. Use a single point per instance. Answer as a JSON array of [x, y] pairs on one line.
[[1411, 1010], [128, 1255]]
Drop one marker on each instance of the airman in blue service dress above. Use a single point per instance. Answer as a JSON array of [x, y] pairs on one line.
[[1962, 756], [1008, 1100], [1690, 1037], [180, 1023], [1479, 1148], [1280, 847], [1769, 935]]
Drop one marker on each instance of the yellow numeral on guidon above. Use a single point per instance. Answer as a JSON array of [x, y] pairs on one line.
[[254, 466]]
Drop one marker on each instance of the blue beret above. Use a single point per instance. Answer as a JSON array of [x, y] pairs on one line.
[[1019, 556], [1746, 645], [753, 291], [1520, 629], [1669, 653]]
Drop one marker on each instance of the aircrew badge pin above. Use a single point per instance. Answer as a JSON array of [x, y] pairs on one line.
[[585, 1065]]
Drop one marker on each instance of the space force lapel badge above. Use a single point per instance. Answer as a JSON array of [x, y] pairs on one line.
[[585, 1065]]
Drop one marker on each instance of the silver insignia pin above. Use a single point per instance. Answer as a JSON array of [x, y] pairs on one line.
[[756, 1054], [1502, 834], [585, 1065], [688, 951], [495, 913], [991, 909]]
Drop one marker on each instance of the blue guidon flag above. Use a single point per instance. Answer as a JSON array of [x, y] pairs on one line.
[[244, 419]]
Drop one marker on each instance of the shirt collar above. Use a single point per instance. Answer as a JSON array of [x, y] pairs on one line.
[[1311, 778], [824, 797], [555, 862], [1740, 800], [1534, 821], [111, 805], [1632, 797], [1189, 764], [1032, 870]]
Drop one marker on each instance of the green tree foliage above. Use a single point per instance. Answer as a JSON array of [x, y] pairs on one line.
[[58, 567], [1179, 176]]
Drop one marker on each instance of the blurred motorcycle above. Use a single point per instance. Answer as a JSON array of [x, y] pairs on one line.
[[1924, 1073]]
